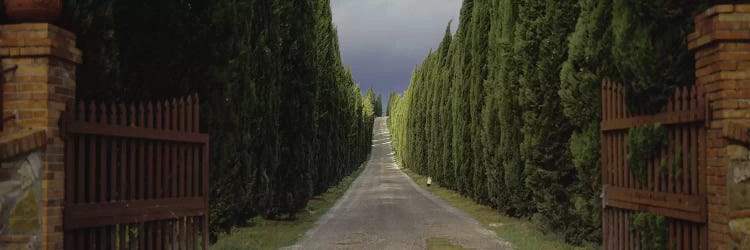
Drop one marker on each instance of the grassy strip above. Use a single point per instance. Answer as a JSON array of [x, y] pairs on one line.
[[519, 232], [274, 234]]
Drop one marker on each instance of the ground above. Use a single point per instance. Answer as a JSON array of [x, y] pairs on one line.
[[385, 209]]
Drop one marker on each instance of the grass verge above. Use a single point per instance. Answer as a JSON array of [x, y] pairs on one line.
[[523, 234], [274, 234]]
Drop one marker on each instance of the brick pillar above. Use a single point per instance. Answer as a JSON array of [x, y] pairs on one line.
[[37, 91], [721, 43]]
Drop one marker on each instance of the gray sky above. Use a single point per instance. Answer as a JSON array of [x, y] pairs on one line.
[[383, 40]]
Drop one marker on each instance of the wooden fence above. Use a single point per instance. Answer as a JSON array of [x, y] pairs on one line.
[[676, 176], [136, 176]]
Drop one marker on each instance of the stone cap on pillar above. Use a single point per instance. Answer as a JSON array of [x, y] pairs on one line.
[[38, 39], [726, 22]]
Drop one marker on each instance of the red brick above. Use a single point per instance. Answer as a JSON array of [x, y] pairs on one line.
[[716, 189], [717, 200], [717, 237], [739, 214], [716, 209], [731, 35], [718, 228], [716, 180]]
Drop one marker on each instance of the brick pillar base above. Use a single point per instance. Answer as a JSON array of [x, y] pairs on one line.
[[37, 91], [721, 43]]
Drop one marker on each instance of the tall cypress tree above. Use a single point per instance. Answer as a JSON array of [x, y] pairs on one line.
[[461, 143], [586, 65], [510, 115], [444, 132], [379, 105], [548, 170], [497, 192], [480, 28]]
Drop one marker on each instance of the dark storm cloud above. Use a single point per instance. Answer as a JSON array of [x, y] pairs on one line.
[[383, 40]]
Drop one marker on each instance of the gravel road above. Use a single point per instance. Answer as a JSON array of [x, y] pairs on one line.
[[385, 209]]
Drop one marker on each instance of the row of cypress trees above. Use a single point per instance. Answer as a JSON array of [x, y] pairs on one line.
[[285, 117], [506, 110]]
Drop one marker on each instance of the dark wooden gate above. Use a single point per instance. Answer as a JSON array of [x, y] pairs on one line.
[[136, 176], [679, 194]]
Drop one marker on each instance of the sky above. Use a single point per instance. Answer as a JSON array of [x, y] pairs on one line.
[[383, 40]]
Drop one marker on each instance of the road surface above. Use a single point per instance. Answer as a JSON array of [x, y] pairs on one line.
[[385, 209]]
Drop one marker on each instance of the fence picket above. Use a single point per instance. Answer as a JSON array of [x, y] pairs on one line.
[[123, 184], [113, 196], [181, 156], [159, 179], [189, 170], [189, 149], [619, 141], [102, 233], [91, 171], [167, 150], [70, 181], [150, 171], [175, 126]]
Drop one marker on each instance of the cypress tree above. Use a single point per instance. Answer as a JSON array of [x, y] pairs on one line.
[[461, 143], [294, 186], [432, 125], [497, 192], [379, 105], [586, 65], [510, 116], [480, 28], [444, 132], [541, 45]]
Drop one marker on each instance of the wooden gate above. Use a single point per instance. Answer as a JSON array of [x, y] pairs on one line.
[[676, 185], [136, 176]]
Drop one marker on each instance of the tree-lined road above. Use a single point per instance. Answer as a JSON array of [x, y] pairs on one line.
[[385, 209]]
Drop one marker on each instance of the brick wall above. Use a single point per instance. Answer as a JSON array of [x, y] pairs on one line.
[[721, 43], [37, 91]]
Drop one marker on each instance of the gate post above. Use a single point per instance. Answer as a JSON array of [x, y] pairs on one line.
[[44, 58], [721, 43]]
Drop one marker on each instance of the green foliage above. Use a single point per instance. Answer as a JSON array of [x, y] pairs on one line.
[[540, 47], [379, 105], [510, 113], [653, 230], [648, 33], [587, 63], [674, 170], [285, 117], [506, 111], [644, 142], [586, 205]]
